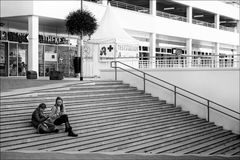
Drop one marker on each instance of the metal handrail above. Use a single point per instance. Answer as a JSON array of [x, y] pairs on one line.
[[175, 90]]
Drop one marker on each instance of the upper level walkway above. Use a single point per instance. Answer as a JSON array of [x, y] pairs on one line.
[[146, 10]]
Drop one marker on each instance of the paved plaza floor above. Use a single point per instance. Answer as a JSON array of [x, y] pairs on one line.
[[36, 155]]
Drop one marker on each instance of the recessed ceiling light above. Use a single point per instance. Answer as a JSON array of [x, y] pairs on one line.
[[201, 15], [168, 8]]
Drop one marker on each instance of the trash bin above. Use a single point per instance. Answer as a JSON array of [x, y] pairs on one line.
[[77, 64], [31, 75], [55, 75]]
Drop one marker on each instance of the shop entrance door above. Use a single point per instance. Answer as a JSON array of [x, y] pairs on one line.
[[3, 59], [88, 63], [65, 60]]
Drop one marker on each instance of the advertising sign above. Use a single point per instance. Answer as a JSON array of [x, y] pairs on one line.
[[106, 51], [125, 50], [51, 56]]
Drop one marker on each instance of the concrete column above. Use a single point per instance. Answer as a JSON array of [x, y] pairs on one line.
[[153, 7], [237, 58], [152, 50], [217, 49], [217, 21], [189, 52], [238, 27], [105, 2], [189, 14], [33, 29]]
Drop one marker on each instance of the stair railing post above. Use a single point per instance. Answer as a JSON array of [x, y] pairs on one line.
[[208, 111], [175, 96], [144, 82], [115, 68]]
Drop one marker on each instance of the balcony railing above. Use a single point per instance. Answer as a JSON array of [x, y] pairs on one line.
[[226, 28], [130, 7], [212, 25], [230, 61], [171, 16]]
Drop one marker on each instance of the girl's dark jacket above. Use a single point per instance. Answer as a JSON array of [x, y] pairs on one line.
[[38, 117]]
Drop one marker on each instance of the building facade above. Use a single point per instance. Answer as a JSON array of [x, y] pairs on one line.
[[171, 33]]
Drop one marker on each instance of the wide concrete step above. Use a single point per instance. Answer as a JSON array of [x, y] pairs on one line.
[[46, 93], [97, 141], [85, 101], [113, 131], [93, 129], [111, 116], [116, 143], [74, 107], [8, 132], [77, 98], [72, 96], [103, 124], [163, 108]]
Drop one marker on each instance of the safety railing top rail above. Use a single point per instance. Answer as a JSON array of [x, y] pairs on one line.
[[175, 90]]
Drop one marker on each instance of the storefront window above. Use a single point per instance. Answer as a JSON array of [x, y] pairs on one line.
[[50, 57], [22, 59], [3, 59], [65, 60], [13, 59], [41, 60]]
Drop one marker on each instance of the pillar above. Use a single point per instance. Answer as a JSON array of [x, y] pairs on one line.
[[217, 49], [237, 30], [236, 63], [189, 14], [153, 7], [217, 21], [33, 29], [189, 52], [152, 51], [105, 2]]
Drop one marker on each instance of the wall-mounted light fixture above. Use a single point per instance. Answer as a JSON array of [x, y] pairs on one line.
[[168, 8], [197, 16]]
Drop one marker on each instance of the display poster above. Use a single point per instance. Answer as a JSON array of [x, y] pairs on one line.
[[22, 53], [2, 53], [50, 56]]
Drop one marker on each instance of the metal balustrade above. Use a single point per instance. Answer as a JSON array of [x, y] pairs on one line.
[[226, 28], [206, 24], [130, 7], [177, 91], [171, 16], [184, 61]]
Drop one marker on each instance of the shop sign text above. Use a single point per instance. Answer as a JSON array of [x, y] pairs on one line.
[[23, 37]]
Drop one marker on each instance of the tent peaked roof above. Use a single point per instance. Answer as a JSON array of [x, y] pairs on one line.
[[109, 31]]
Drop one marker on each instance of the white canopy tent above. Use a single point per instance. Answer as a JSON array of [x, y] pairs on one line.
[[110, 31], [111, 42]]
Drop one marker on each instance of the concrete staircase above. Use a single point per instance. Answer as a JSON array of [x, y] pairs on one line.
[[110, 116]]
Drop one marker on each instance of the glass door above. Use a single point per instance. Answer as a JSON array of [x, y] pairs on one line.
[[50, 58], [13, 53], [22, 59], [65, 60], [41, 60], [3, 59]]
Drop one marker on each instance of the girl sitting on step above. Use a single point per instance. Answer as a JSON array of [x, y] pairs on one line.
[[41, 122], [58, 116]]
